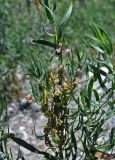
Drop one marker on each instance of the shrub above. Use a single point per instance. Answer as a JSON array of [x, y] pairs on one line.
[[67, 85]]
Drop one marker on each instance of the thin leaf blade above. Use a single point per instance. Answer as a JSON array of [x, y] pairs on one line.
[[67, 15], [44, 42]]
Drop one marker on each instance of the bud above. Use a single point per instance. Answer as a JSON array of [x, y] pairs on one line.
[[29, 98], [53, 131], [79, 70], [52, 76], [65, 85], [57, 91], [59, 48], [76, 81], [44, 96], [59, 122]]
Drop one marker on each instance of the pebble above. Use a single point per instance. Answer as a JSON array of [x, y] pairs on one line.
[[21, 122]]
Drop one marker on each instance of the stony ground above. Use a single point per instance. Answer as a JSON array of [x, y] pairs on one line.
[[22, 123]]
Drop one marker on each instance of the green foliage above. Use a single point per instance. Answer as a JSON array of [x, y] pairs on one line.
[[69, 126], [67, 84], [15, 33], [22, 20], [84, 14]]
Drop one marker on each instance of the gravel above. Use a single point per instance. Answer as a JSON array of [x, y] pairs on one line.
[[22, 123]]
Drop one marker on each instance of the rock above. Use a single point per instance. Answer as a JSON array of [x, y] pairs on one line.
[[23, 104], [2, 156], [39, 133], [24, 151]]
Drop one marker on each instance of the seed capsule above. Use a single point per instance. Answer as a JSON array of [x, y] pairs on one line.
[[65, 86], [44, 96], [29, 98]]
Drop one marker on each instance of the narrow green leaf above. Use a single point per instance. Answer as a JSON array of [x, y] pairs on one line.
[[48, 13], [88, 103], [90, 86], [107, 145], [110, 76], [96, 48], [35, 91], [109, 114], [73, 139], [31, 148], [67, 15], [96, 94], [5, 136], [56, 139], [109, 43], [26, 145], [54, 5], [78, 55], [94, 39], [56, 22], [46, 43], [82, 97], [101, 61], [102, 38], [49, 34], [97, 32]]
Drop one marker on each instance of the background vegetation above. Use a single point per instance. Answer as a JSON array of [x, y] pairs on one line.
[[22, 21]]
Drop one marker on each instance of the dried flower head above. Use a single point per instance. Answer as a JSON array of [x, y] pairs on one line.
[[29, 98]]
